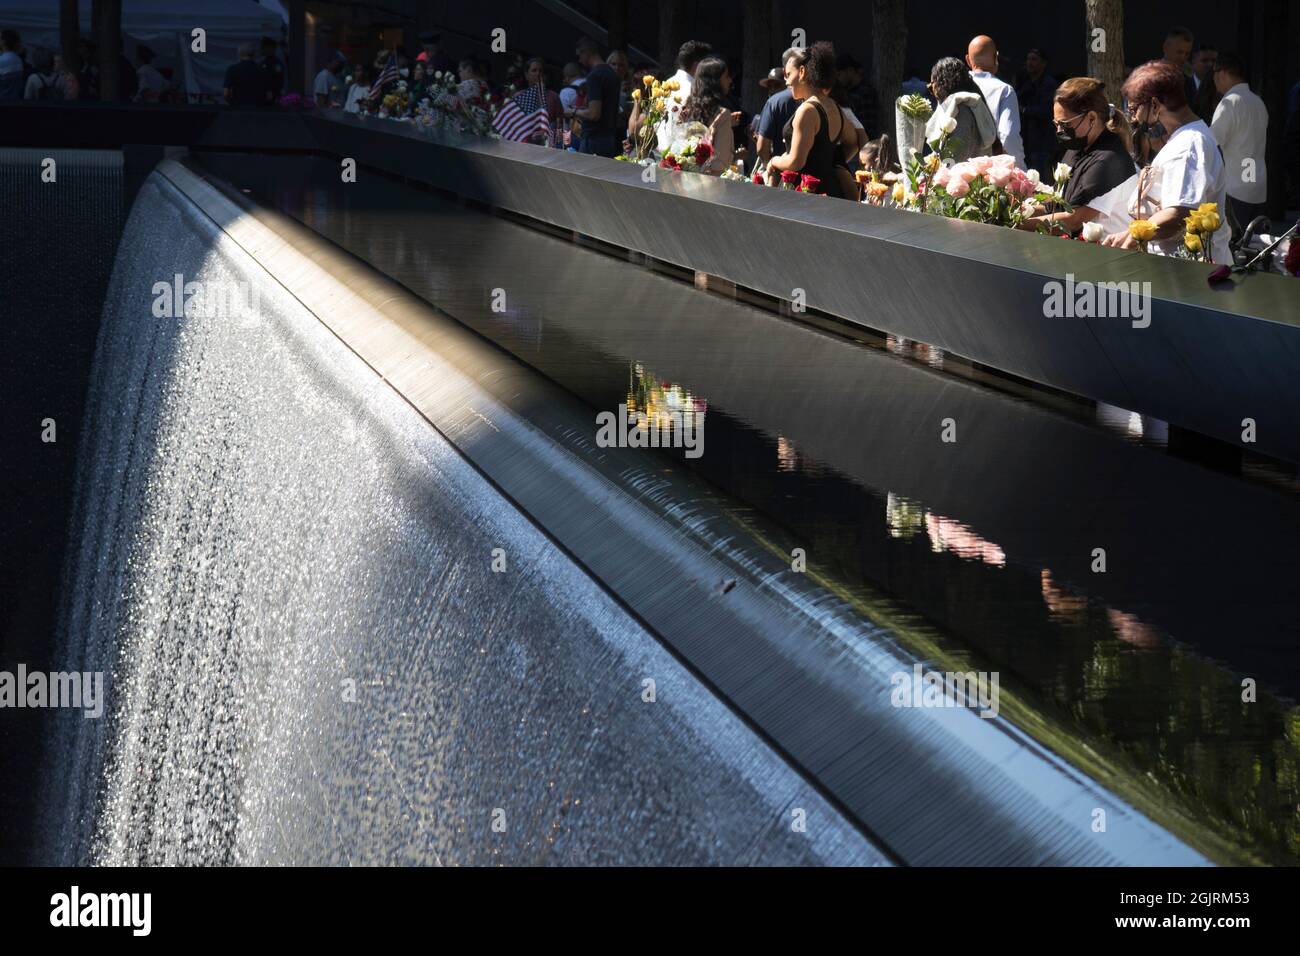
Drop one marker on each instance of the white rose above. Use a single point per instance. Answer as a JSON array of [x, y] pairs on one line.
[[438, 75], [948, 126], [1033, 176], [1093, 232], [1062, 172]]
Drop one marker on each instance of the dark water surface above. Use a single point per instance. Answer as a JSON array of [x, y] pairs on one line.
[[990, 539]]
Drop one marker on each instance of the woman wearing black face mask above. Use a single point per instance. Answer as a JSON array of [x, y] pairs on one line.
[[1096, 137]]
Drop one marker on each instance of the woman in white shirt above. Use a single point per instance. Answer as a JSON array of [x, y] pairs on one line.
[[359, 91], [704, 105], [1187, 172]]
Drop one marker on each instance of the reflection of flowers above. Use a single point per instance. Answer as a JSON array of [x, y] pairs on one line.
[[660, 401]]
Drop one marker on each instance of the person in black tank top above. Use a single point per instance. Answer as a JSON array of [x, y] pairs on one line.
[[811, 149]]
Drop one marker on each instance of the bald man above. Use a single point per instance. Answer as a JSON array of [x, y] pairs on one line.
[[982, 58]]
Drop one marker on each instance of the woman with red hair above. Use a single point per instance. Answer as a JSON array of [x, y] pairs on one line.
[[1187, 172]]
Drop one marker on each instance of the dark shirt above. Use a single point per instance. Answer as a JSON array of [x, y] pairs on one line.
[[246, 81], [1097, 170], [602, 85], [777, 112], [274, 70], [1036, 98]]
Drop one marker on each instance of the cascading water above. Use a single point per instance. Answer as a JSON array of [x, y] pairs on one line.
[[287, 576]]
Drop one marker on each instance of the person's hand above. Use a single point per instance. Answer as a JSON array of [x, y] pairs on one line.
[[1120, 240], [735, 118]]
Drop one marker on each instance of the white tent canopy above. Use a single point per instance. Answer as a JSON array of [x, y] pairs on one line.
[[166, 26]]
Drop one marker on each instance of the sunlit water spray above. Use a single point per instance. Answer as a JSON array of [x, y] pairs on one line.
[[287, 576]]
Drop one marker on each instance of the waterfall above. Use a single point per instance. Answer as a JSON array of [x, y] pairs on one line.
[[287, 577]]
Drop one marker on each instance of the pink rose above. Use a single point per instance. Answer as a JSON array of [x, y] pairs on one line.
[[999, 175], [981, 164], [941, 176], [957, 187]]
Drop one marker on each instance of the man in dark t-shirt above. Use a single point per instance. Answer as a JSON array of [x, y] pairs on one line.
[[600, 132], [246, 81], [777, 111]]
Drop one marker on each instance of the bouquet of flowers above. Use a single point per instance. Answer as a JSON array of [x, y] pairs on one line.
[[910, 114], [691, 151], [656, 100], [1201, 225], [455, 107], [990, 189]]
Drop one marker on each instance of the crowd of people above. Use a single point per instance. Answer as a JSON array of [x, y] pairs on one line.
[[1186, 129]]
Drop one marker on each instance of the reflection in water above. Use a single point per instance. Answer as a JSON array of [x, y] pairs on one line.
[[906, 518], [659, 406], [1142, 665]]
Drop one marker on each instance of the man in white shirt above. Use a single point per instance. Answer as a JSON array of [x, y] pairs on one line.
[[328, 87], [573, 83], [982, 58], [688, 58], [1241, 127]]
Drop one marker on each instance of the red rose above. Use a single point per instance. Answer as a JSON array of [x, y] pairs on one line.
[[758, 179], [703, 153], [1292, 261], [789, 176], [669, 162], [808, 183]]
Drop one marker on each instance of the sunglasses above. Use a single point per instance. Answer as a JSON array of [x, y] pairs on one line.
[[1067, 123]]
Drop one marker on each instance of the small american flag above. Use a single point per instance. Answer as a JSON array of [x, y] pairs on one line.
[[387, 76], [523, 116]]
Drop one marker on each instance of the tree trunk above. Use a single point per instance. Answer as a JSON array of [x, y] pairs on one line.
[[756, 53], [672, 34], [888, 47], [1106, 49], [110, 50], [69, 30]]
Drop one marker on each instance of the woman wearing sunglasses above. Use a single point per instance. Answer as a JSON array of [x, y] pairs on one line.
[[1098, 141]]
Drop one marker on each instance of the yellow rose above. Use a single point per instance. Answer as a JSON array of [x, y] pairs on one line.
[[1193, 242], [648, 79], [636, 95], [898, 193], [1193, 224], [932, 163], [1141, 230], [1208, 207], [1209, 220]]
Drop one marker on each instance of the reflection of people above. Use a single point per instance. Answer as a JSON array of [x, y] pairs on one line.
[[246, 81], [328, 88], [1186, 173]]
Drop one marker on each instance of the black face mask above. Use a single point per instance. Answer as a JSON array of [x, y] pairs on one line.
[[1071, 139]]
